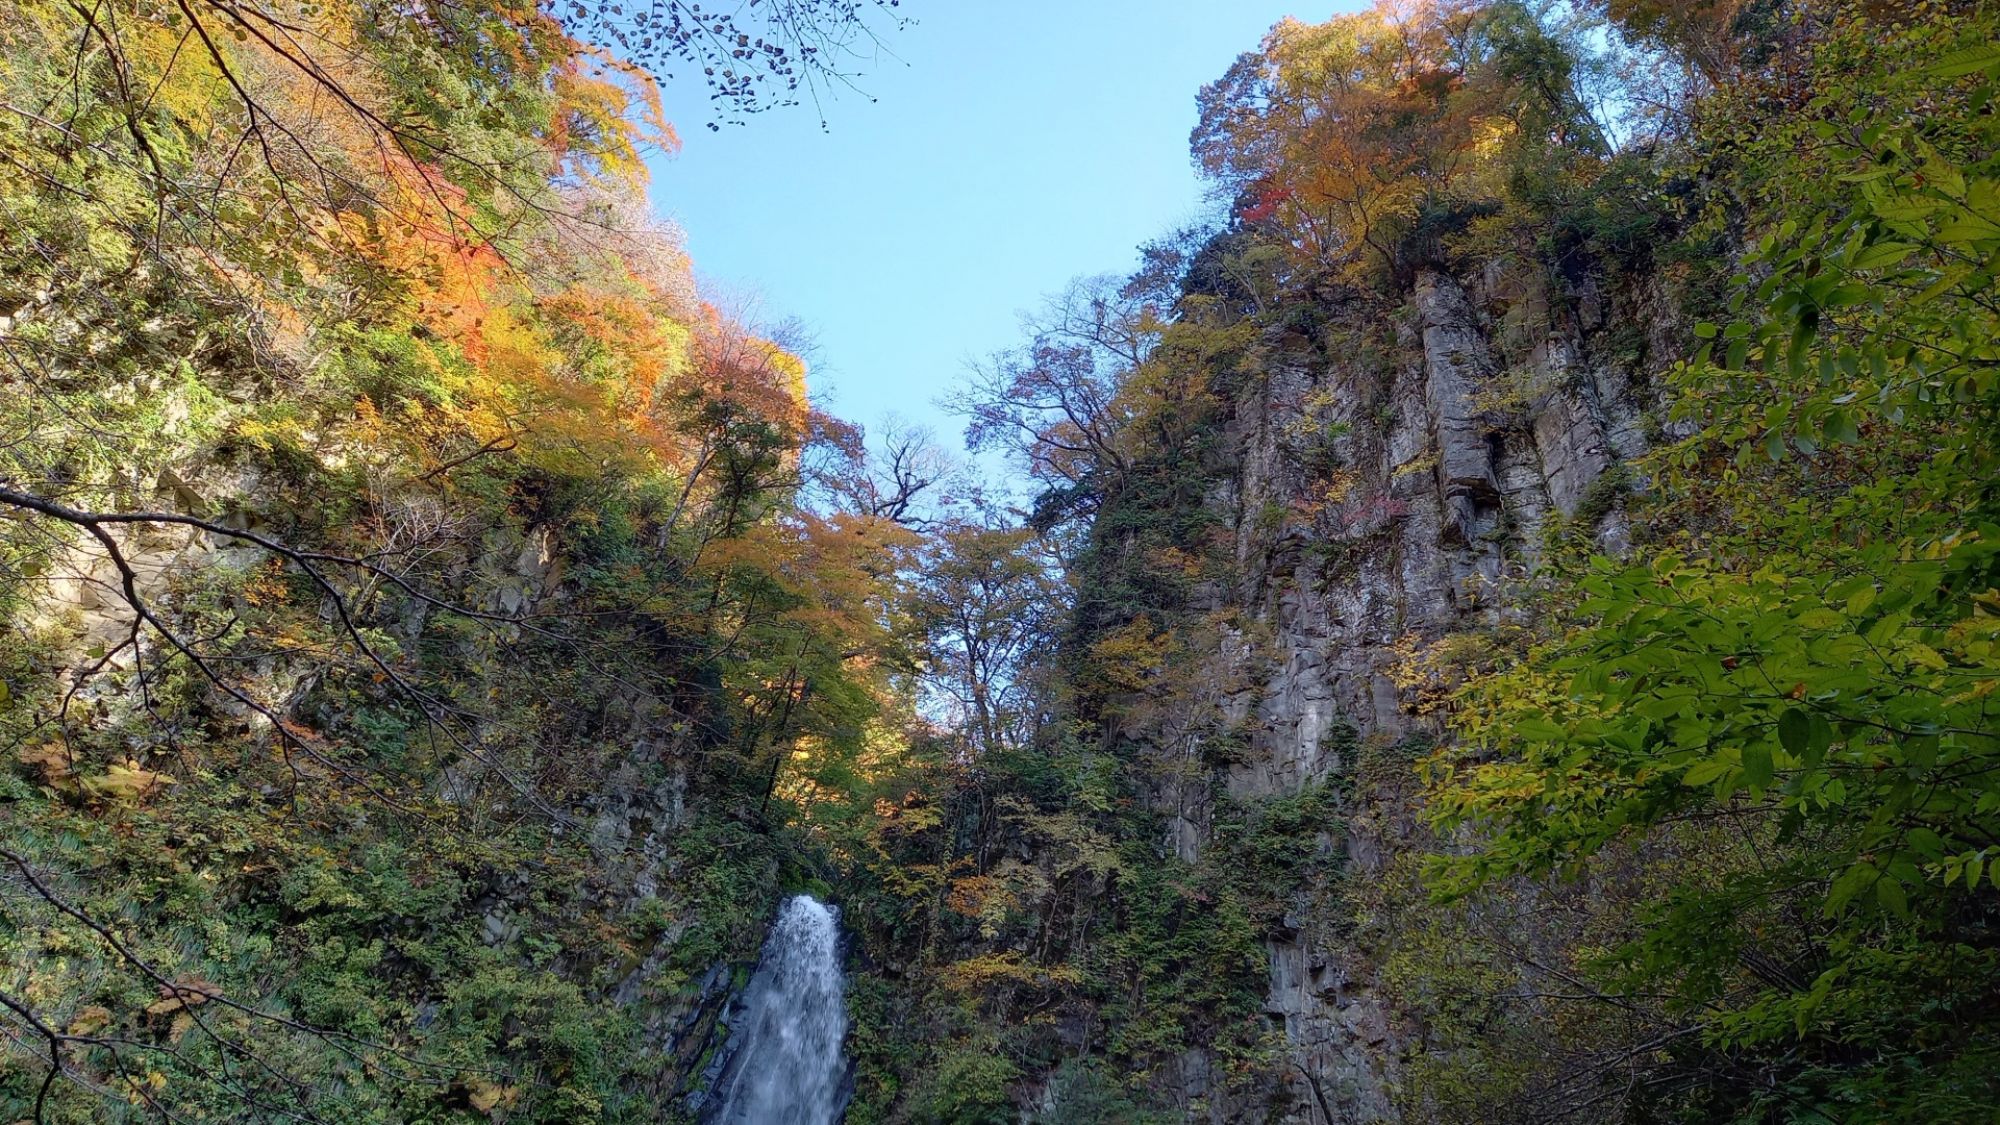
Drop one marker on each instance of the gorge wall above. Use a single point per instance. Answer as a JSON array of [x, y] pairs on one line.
[[1387, 486]]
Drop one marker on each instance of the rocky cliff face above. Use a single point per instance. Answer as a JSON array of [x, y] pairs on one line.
[[633, 819], [1389, 487]]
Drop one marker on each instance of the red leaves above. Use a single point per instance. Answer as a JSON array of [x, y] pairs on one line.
[[1266, 200]]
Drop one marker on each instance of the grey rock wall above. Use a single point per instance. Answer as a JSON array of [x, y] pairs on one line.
[[1415, 480]]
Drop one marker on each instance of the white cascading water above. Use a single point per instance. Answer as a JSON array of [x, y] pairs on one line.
[[789, 1069]]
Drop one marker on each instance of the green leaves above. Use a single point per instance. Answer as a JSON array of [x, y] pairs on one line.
[[1969, 866], [1795, 731], [1881, 255], [1966, 61], [1891, 894], [1706, 773], [1808, 651]]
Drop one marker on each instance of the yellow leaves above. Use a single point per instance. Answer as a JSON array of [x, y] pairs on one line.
[[914, 881], [606, 111], [1431, 672], [1974, 642], [490, 1097], [89, 1020], [791, 371], [126, 782], [885, 748], [270, 434], [1130, 657], [1924, 656], [1070, 841], [1497, 785], [1421, 465], [832, 567], [187, 84], [144, 1090], [1010, 967]]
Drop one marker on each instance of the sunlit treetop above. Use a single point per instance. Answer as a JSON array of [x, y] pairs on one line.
[[1344, 137]]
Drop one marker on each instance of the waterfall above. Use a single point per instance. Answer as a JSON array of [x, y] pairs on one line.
[[788, 1068]]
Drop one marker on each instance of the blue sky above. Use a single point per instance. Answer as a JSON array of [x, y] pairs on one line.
[[1011, 146]]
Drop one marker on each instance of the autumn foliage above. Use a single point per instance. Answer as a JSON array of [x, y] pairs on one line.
[[1349, 135], [377, 483]]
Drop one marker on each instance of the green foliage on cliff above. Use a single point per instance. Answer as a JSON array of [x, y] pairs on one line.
[[1804, 645]]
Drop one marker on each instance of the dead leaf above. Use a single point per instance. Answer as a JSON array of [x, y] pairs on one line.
[[90, 1020], [188, 992], [51, 759]]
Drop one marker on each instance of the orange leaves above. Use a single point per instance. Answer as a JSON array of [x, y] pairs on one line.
[[54, 763], [469, 207], [1341, 132], [981, 897], [606, 112], [266, 586], [750, 373], [832, 569], [634, 358], [178, 1000], [569, 341], [188, 992]]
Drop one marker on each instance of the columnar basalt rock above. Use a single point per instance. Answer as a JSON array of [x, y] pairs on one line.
[[1452, 459], [1457, 366]]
